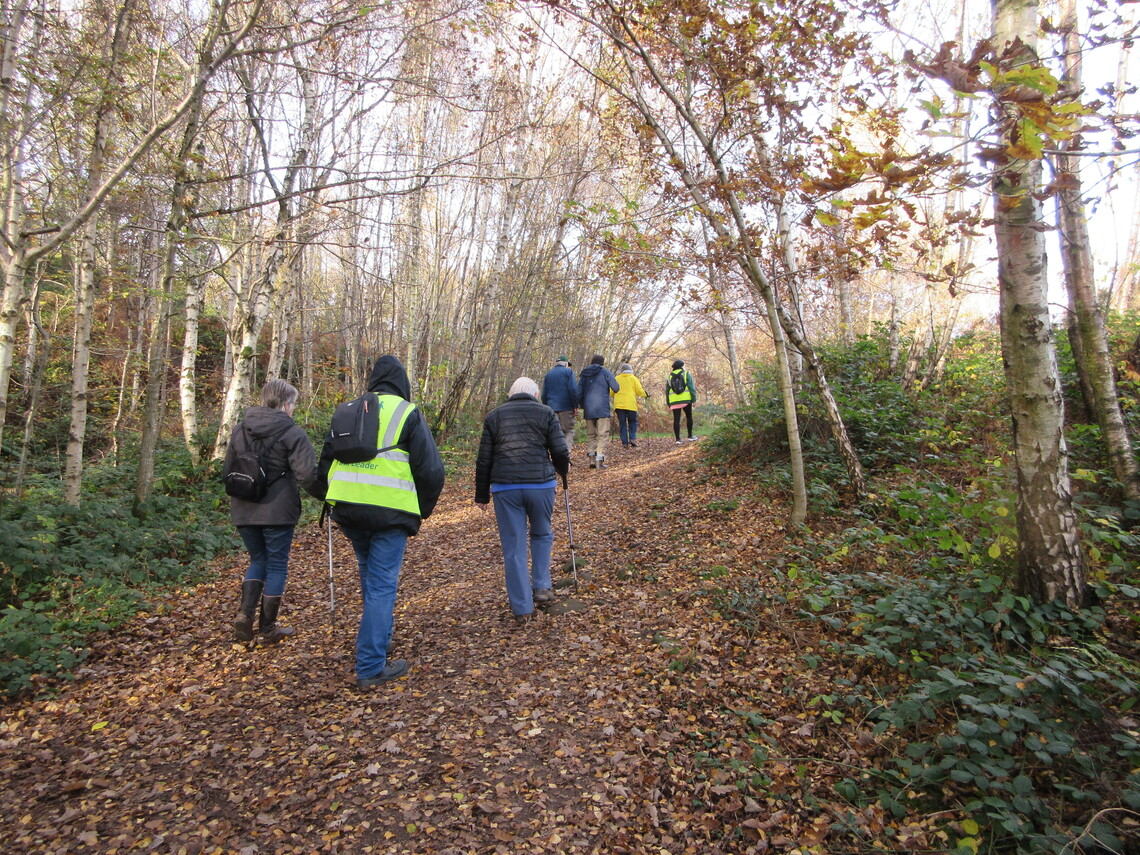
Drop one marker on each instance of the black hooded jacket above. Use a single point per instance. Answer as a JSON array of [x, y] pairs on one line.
[[390, 378]]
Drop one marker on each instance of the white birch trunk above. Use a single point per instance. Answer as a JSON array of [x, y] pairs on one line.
[[188, 372], [1049, 559], [40, 345], [1076, 253], [80, 365]]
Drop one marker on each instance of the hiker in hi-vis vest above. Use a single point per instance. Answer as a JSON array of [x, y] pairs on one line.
[[679, 396], [379, 504]]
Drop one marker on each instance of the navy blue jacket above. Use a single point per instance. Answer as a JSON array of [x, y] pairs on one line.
[[594, 385], [559, 389]]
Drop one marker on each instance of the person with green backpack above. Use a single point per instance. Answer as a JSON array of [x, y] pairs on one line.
[[680, 393]]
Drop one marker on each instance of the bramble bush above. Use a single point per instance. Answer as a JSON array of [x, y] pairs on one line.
[[888, 426]]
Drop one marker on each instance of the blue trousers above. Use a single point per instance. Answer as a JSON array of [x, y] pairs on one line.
[[380, 555], [514, 509], [627, 425], [268, 547]]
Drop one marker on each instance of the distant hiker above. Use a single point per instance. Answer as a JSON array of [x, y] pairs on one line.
[[679, 396], [560, 393], [266, 524], [594, 386], [379, 504], [522, 448], [625, 404]]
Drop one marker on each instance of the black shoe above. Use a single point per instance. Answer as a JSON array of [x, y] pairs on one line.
[[593, 465], [633, 443], [393, 670]]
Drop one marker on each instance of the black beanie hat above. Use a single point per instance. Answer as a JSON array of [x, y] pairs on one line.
[[677, 363], [598, 359]]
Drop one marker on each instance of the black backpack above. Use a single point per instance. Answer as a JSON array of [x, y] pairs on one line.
[[677, 382], [244, 477], [355, 428]]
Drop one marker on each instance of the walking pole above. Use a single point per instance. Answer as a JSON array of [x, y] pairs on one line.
[[570, 532], [332, 589]]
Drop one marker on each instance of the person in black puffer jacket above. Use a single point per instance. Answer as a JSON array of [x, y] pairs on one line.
[[522, 449], [266, 527]]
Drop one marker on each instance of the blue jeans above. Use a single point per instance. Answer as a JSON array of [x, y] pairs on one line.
[[627, 425], [513, 509], [268, 547], [380, 555]]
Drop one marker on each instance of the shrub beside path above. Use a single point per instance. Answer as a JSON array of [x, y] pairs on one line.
[[630, 726]]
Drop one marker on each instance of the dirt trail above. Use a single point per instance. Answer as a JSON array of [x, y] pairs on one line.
[[575, 733]]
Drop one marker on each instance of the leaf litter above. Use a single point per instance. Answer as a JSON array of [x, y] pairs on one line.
[[626, 727]]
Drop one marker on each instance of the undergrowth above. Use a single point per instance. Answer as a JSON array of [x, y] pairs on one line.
[[71, 570], [1009, 722]]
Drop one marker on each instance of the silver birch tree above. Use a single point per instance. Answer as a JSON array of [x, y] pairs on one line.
[[118, 31], [1049, 559], [1090, 340], [27, 238]]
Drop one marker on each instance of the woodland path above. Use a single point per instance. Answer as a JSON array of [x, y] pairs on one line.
[[576, 733]]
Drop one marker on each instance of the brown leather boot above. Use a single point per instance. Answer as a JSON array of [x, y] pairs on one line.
[[269, 631], [243, 623]]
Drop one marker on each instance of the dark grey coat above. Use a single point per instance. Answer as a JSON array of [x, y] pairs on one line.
[[291, 457]]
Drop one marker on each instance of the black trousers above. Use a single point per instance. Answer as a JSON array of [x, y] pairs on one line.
[[688, 411]]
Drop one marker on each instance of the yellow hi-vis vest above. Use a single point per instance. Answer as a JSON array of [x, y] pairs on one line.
[[385, 480], [679, 397]]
